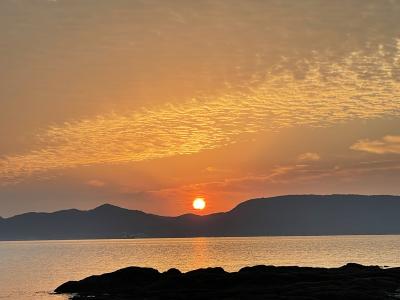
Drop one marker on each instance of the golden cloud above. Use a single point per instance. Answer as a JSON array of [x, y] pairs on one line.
[[338, 94], [309, 156], [388, 144]]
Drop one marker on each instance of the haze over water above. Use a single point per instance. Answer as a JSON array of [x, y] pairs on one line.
[[32, 269]]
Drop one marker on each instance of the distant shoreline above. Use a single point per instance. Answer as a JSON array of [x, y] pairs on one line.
[[199, 237]]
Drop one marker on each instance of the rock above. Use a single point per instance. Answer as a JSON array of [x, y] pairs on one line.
[[352, 281], [123, 280], [172, 272]]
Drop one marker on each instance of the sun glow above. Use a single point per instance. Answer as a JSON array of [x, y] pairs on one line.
[[199, 203]]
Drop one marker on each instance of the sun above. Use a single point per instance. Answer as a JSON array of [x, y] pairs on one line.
[[199, 203]]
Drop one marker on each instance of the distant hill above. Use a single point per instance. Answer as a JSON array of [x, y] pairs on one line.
[[284, 215]]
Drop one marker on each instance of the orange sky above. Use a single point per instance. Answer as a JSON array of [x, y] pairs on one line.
[[148, 104]]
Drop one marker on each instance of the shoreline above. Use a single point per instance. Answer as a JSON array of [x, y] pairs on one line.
[[198, 237]]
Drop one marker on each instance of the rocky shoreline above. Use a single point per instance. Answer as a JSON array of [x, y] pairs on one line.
[[352, 281]]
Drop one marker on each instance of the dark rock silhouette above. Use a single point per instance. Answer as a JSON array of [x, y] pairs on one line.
[[284, 215], [351, 281]]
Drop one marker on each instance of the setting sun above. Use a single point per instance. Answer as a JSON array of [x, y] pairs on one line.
[[199, 203]]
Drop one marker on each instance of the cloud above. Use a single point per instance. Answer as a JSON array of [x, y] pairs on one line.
[[286, 174], [387, 144], [95, 183], [223, 192], [271, 103], [309, 156]]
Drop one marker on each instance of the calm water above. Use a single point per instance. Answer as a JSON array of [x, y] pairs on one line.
[[30, 270]]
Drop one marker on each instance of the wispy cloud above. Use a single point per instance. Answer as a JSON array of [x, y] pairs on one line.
[[286, 174], [338, 94], [95, 183], [387, 144], [309, 156]]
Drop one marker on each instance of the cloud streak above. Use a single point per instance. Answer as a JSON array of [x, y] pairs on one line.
[[309, 156], [329, 94], [290, 175], [387, 144]]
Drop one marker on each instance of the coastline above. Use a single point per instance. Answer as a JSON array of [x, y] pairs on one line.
[[199, 237]]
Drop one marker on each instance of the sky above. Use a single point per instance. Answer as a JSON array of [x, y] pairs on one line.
[[150, 104]]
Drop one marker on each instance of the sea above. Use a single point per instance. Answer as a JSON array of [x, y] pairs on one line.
[[33, 269]]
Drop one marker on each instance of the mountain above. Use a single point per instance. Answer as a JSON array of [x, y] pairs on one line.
[[283, 215]]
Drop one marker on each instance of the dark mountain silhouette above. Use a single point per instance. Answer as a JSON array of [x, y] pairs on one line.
[[284, 215]]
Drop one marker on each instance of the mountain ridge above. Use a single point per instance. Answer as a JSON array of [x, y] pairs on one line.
[[281, 215]]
